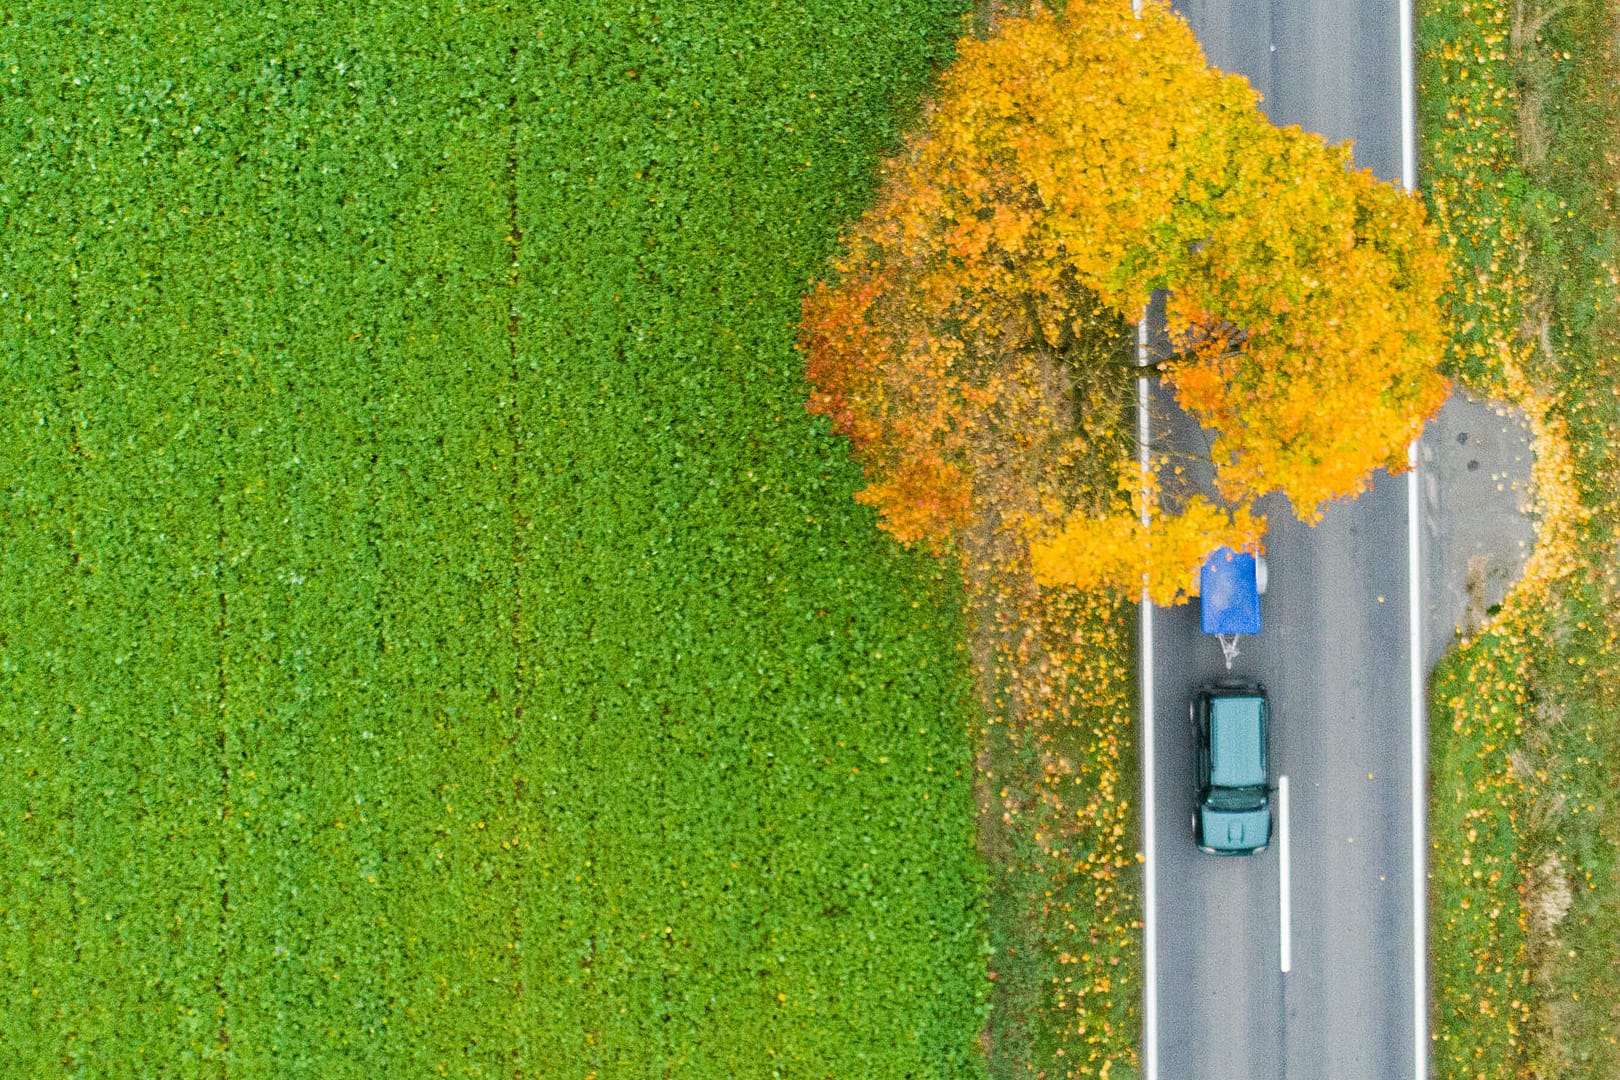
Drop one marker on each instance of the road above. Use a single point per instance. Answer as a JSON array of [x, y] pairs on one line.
[[1335, 655]]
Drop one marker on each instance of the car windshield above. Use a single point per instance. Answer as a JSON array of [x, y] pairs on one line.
[[1243, 798]]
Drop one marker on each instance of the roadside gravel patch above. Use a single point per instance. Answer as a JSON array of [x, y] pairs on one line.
[[1478, 531]]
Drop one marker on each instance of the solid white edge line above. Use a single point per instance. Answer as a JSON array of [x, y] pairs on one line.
[[1418, 763], [1419, 771], [1285, 908], [1408, 101], [1150, 944]]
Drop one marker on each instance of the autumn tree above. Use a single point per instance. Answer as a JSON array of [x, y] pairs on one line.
[[968, 340]]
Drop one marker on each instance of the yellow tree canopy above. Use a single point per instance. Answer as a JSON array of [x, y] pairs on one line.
[[1075, 163]]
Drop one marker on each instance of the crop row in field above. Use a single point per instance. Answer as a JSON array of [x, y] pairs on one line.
[[434, 637]]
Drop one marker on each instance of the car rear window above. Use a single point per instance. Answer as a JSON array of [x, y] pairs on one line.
[[1234, 742]]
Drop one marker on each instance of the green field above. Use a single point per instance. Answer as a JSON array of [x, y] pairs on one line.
[[435, 640]]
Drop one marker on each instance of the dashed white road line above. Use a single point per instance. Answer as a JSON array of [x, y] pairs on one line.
[[1285, 909]]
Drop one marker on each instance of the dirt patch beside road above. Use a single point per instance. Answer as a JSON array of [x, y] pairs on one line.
[[1478, 532]]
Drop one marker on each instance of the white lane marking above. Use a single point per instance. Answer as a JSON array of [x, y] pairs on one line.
[[1419, 771], [1414, 582], [1150, 944], [1285, 912], [1408, 101]]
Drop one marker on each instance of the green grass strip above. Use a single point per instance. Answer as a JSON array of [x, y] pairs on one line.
[[1521, 141]]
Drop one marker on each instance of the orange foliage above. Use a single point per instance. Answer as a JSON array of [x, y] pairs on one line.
[[1311, 326], [1089, 159], [1115, 550]]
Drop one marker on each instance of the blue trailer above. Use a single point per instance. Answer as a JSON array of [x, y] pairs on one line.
[[1230, 584]]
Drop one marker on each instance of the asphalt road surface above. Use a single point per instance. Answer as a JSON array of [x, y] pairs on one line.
[[1334, 654]]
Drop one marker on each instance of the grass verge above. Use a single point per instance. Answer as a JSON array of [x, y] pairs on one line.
[[1521, 143]]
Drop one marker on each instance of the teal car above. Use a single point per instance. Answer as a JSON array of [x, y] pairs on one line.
[[1234, 787]]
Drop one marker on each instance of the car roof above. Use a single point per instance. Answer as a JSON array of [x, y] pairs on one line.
[[1237, 741]]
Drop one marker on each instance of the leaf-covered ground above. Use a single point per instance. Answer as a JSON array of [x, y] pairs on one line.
[[1521, 129], [435, 640]]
